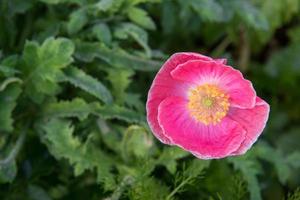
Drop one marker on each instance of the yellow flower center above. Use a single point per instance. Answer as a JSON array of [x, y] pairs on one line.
[[208, 104]]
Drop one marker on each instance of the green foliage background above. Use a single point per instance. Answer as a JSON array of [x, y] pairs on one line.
[[74, 76]]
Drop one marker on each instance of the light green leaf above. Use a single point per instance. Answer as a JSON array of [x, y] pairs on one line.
[[43, 64], [75, 108], [105, 5], [120, 80], [86, 82], [141, 17]]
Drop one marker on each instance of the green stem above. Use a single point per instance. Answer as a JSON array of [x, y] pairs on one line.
[[183, 183]]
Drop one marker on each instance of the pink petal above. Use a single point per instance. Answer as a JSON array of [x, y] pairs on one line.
[[164, 86], [197, 72], [253, 120], [205, 142]]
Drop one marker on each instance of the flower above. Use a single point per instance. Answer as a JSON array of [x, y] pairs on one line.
[[205, 107]]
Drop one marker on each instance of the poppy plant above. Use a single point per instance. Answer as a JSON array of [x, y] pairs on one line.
[[205, 107]]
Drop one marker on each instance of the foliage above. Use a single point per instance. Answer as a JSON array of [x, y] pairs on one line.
[[74, 76]]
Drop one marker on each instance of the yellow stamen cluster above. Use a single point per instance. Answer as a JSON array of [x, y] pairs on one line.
[[208, 104]]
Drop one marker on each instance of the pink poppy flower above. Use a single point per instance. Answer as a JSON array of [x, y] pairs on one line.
[[205, 107]]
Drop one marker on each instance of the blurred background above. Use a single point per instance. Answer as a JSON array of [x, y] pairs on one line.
[[74, 77]]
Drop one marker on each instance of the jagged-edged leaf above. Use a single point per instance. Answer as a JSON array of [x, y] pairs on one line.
[[43, 64], [74, 108], [120, 80], [264, 151], [59, 138], [88, 83], [8, 99], [138, 34], [169, 156], [141, 17], [118, 112], [87, 52], [249, 168]]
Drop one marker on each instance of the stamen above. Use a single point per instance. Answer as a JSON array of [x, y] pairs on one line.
[[208, 104]]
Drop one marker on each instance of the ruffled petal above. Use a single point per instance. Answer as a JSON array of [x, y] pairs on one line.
[[253, 120], [197, 72], [164, 86], [205, 142]]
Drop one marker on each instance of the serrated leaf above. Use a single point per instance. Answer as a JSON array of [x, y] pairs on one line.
[[86, 82], [87, 52], [251, 15], [141, 17], [169, 156], [264, 151], [74, 108], [139, 35], [250, 169], [58, 136], [8, 99], [118, 112], [43, 64], [120, 80]]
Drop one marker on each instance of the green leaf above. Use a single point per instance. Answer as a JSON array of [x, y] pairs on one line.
[[86, 82], [139, 35], [251, 15], [169, 156], [208, 10], [8, 171], [120, 80], [77, 21], [58, 136], [43, 65], [87, 52], [102, 33], [264, 151], [37, 193], [105, 5], [140, 17], [8, 99], [118, 112], [250, 169], [8, 65], [79, 2], [75, 108]]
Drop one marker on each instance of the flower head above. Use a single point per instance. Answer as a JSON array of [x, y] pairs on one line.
[[205, 107]]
